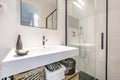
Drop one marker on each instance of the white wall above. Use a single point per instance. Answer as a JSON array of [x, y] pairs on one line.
[[86, 16], [114, 40], [32, 37]]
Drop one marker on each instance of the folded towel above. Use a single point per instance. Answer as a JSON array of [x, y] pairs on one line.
[[57, 77], [53, 67], [60, 77], [55, 73]]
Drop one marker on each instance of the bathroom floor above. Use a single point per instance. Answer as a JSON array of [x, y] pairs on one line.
[[84, 76]]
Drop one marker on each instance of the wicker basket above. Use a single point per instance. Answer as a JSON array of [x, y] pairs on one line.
[[35, 74]]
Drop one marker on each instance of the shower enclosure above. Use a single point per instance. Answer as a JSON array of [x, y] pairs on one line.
[[85, 19]]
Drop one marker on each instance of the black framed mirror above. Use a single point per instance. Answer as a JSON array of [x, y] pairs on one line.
[[39, 13]]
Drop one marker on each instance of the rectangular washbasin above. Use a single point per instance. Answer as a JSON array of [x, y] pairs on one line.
[[13, 64]]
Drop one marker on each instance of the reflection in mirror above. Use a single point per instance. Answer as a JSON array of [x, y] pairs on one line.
[[39, 13]]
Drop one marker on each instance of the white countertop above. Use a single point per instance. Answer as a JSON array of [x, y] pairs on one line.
[[14, 64]]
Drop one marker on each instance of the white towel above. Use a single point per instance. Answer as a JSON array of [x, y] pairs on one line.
[[57, 77], [50, 75]]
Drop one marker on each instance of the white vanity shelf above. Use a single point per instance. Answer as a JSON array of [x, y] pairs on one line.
[[13, 64]]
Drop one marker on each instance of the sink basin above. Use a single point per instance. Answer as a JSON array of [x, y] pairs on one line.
[[14, 64], [47, 49]]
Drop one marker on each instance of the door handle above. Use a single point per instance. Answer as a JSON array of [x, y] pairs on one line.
[[102, 40]]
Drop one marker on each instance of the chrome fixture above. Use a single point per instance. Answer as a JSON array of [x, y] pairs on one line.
[[44, 41]]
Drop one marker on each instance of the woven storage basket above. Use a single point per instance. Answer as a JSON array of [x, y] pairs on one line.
[[35, 74]]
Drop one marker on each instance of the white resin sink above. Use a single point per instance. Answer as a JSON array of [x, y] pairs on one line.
[[14, 64]]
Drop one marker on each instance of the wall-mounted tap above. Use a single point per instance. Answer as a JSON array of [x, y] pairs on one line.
[[44, 41]]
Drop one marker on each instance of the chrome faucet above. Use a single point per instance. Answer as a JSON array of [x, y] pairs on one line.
[[44, 41]]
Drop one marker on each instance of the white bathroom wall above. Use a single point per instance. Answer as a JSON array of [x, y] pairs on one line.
[[86, 17], [88, 53], [73, 31], [114, 40], [31, 37], [8, 30]]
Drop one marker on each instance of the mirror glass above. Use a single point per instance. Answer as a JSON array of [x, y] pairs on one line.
[[39, 13]]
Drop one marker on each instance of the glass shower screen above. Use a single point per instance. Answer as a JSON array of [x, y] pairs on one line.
[[81, 34]]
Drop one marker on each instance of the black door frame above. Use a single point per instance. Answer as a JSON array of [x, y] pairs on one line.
[[106, 63]]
